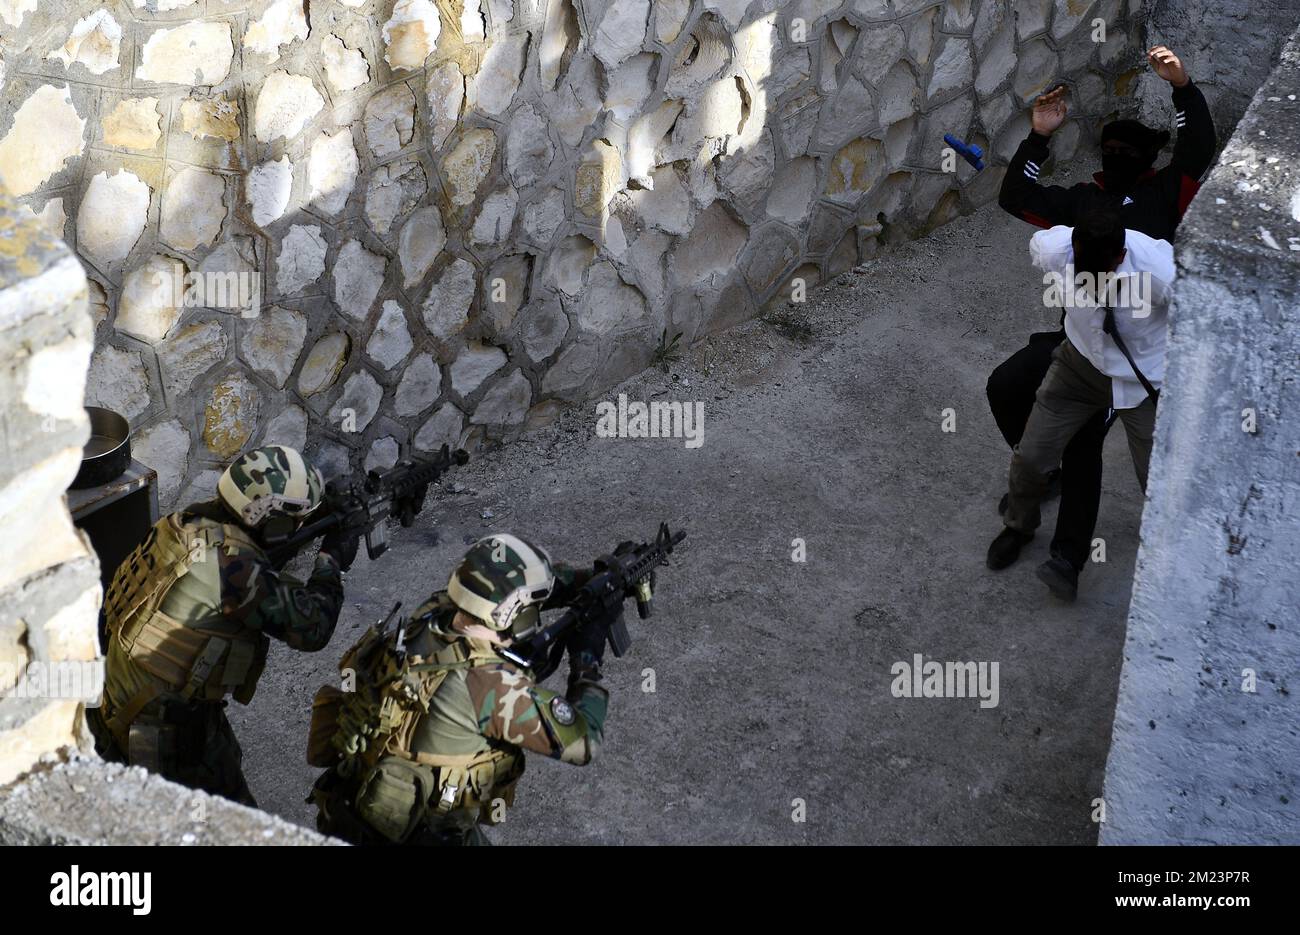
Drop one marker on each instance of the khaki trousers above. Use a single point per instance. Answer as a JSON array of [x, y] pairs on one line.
[[1072, 393]]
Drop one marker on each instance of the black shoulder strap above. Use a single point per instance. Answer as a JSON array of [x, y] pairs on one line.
[[1109, 327]]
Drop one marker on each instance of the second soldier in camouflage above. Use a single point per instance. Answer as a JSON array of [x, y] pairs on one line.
[[429, 743]]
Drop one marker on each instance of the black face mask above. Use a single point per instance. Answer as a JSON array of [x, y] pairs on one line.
[[1120, 171]]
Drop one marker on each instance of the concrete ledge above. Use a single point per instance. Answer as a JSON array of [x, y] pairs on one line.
[[89, 802], [1205, 748]]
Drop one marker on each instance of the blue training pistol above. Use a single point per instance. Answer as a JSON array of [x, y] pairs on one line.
[[968, 151]]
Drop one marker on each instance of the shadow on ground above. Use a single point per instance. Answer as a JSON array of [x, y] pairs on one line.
[[773, 677]]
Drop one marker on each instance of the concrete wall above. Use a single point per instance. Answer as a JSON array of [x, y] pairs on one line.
[[89, 802], [469, 213], [49, 576], [1205, 745], [50, 665], [1228, 46]]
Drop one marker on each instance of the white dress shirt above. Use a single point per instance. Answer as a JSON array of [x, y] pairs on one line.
[[1141, 308]]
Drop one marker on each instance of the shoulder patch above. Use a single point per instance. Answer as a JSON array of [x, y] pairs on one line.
[[563, 711]]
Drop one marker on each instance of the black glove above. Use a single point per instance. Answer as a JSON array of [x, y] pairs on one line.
[[340, 546], [586, 646]]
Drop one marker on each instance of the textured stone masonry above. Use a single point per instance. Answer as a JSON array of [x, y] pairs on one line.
[[87, 802], [1205, 747], [49, 576], [465, 213], [1228, 46]]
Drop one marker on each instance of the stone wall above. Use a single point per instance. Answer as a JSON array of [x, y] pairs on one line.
[[49, 577], [466, 214], [86, 801], [1205, 746], [1228, 46], [53, 790]]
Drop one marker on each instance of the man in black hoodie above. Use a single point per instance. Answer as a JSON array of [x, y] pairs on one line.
[[1150, 201]]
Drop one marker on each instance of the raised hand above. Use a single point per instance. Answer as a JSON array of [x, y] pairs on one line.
[[1168, 65], [1049, 111]]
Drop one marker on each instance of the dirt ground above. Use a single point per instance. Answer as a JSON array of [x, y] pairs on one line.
[[772, 677]]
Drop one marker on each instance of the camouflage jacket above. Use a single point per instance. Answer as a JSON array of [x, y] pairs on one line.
[[241, 586], [229, 591], [486, 705]]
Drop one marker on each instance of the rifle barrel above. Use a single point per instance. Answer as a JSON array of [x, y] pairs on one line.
[[410, 477], [653, 553]]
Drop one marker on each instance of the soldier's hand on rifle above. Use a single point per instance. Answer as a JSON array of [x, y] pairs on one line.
[[341, 547], [586, 646]]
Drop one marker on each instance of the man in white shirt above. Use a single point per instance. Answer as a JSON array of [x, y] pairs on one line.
[[1096, 270]]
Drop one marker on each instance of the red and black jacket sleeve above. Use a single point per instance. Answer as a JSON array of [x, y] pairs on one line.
[[1023, 196], [1194, 148]]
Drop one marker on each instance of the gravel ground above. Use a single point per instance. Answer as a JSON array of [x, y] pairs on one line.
[[772, 677]]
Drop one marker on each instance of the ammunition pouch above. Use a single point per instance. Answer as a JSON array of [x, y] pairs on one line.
[[406, 793], [151, 743], [325, 708], [473, 782], [169, 733], [394, 797]]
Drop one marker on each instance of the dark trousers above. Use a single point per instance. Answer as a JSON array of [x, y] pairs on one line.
[[1011, 390], [189, 743], [1072, 394]]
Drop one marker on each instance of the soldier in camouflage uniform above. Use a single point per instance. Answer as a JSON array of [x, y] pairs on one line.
[[189, 615], [429, 742]]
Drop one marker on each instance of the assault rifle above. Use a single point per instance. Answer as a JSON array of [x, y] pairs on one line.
[[627, 573], [362, 508]]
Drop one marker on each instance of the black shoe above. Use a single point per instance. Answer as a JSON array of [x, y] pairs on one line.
[[1061, 578], [1005, 549]]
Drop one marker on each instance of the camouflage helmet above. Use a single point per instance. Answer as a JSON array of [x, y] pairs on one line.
[[500, 578], [270, 479]]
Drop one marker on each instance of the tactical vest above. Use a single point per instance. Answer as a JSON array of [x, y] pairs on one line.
[[366, 737], [190, 660]]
